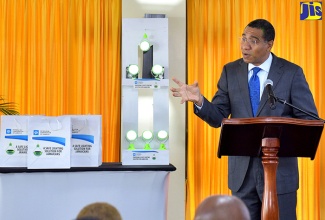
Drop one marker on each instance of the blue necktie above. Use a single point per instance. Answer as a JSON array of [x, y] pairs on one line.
[[254, 90]]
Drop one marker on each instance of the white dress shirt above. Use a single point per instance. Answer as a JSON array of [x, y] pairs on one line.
[[262, 75]]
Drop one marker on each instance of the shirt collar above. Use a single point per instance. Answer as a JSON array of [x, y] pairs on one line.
[[264, 66]]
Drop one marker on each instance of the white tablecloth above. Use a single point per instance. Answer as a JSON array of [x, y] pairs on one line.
[[138, 195]]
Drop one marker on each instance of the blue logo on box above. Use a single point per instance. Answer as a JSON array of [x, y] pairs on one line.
[[8, 131], [311, 11], [36, 132]]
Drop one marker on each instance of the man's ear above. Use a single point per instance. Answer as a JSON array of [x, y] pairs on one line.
[[270, 45]]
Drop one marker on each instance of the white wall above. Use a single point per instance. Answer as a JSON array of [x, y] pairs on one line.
[[175, 11]]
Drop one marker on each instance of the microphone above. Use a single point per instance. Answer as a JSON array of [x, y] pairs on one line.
[[272, 99], [268, 85]]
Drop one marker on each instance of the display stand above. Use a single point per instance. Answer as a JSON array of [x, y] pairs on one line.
[[145, 91], [270, 138]]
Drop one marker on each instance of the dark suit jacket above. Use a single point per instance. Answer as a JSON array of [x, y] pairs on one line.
[[232, 99]]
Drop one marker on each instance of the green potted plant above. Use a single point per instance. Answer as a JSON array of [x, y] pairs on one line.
[[8, 108]]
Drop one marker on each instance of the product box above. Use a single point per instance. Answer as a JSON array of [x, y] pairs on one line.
[[86, 141], [49, 142], [14, 141]]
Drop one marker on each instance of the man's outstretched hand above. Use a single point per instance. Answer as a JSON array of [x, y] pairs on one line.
[[187, 92]]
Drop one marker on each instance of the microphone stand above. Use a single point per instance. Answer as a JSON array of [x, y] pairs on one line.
[[292, 106]]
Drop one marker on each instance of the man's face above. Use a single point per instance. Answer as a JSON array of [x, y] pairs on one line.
[[253, 53]]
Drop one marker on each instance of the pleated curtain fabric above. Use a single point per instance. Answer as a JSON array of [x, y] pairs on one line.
[[213, 29], [63, 57]]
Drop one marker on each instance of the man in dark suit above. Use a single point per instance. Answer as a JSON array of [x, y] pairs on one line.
[[245, 174]]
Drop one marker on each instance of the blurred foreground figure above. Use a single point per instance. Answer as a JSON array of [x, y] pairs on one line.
[[99, 211], [222, 207]]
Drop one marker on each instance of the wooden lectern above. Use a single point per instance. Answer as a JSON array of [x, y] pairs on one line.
[[270, 138]]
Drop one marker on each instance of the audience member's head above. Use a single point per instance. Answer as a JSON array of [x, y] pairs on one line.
[[222, 207], [99, 211]]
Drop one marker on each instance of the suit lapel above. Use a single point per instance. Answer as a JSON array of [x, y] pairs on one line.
[[242, 75], [274, 75]]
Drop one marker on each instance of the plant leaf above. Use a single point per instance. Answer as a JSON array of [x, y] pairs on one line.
[[8, 108]]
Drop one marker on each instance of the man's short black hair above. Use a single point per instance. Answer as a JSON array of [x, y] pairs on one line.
[[265, 26]]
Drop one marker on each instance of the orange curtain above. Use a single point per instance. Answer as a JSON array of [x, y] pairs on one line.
[[63, 57], [213, 29]]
